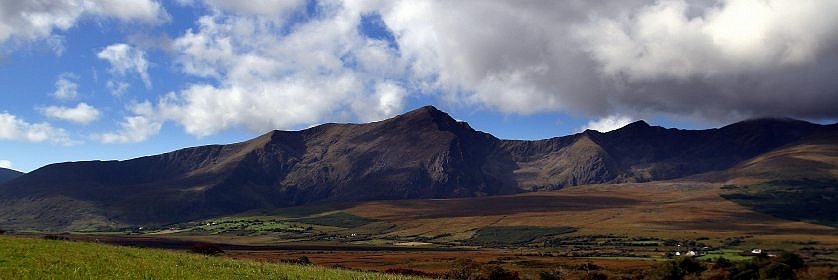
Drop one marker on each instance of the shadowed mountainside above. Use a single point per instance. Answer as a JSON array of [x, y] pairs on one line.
[[421, 154], [8, 174], [795, 182]]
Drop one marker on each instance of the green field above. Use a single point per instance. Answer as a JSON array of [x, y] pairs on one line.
[[30, 258], [518, 235], [224, 225], [337, 219]]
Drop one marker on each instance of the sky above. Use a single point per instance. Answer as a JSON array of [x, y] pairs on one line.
[[113, 79]]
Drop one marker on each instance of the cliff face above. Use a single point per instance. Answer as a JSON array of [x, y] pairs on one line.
[[421, 154]]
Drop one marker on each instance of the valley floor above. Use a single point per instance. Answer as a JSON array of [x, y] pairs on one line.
[[622, 228]]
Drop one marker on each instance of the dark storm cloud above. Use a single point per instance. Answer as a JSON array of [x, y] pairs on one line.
[[714, 61]]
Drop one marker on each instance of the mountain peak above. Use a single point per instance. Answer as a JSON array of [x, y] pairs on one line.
[[425, 114], [635, 126], [425, 111], [640, 123]]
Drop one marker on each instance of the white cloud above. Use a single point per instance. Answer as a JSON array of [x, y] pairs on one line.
[[608, 123], [664, 41], [203, 109], [387, 101], [33, 20], [13, 128], [124, 58], [500, 59], [140, 10], [82, 113], [708, 60], [269, 8], [265, 80], [117, 88], [65, 87], [5, 163], [132, 129]]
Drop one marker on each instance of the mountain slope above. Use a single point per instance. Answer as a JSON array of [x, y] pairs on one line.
[[421, 154], [558, 162], [8, 174], [645, 153], [798, 181], [639, 152]]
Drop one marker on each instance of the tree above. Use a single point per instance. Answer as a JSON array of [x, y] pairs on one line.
[[776, 271], [721, 262], [677, 269], [690, 266], [791, 259]]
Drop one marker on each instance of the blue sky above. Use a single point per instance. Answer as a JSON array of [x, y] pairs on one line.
[[106, 79]]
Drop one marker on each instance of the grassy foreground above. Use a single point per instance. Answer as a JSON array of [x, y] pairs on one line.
[[30, 258]]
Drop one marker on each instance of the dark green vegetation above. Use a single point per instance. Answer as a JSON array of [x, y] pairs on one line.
[[337, 219], [511, 236], [8, 174], [26, 258], [423, 154], [246, 226], [801, 200], [760, 267]]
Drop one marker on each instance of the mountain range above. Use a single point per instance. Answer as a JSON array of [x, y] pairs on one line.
[[420, 154]]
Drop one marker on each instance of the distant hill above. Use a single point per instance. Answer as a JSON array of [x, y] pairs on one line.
[[8, 174], [796, 182], [421, 154]]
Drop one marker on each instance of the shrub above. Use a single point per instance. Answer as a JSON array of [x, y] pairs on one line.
[[722, 263], [302, 260], [55, 237], [588, 267], [776, 271], [716, 274], [595, 276], [206, 249], [677, 269], [791, 259], [552, 275], [498, 273], [410, 272], [468, 269], [462, 269], [818, 273], [690, 265]]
